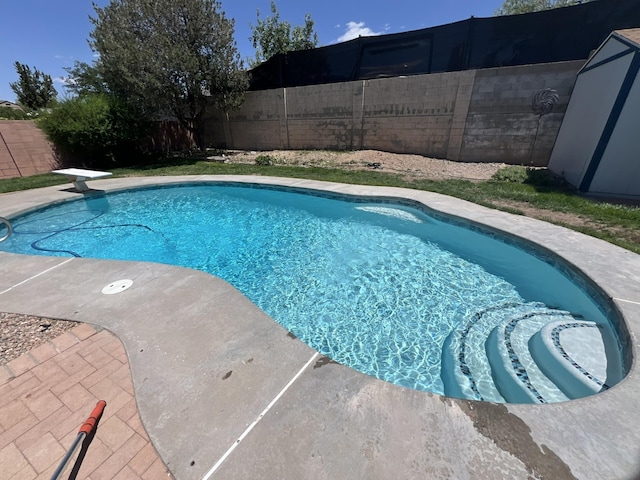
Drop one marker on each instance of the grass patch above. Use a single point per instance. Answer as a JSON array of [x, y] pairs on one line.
[[517, 191], [27, 183]]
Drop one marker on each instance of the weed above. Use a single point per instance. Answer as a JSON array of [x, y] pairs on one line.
[[265, 160]]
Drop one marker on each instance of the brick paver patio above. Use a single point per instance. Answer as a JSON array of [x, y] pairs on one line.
[[47, 393]]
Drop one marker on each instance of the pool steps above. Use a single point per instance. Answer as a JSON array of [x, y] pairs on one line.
[[568, 354], [516, 373], [531, 354], [466, 375]]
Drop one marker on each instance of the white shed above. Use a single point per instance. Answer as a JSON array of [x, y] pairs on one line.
[[598, 145]]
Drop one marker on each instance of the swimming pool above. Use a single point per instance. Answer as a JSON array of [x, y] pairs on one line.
[[385, 288]]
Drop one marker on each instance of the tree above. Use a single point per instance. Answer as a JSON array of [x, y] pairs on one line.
[[33, 89], [85, 79], [512, 7], [169, 57], [272, 36]]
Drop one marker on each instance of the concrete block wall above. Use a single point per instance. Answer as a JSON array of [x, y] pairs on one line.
[[24, 149], [410, 114], [257, 125], [471, 116], [321, 115], [501, 125], [464, 91]]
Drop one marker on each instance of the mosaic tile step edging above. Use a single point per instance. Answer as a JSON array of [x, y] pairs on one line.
[[575, 379]]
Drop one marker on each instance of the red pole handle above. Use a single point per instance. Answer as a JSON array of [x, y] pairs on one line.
[[90, 423]]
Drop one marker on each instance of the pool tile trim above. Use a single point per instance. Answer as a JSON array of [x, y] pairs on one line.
[[555, 336]]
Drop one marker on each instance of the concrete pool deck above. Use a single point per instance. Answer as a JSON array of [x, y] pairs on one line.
[[225, 392]]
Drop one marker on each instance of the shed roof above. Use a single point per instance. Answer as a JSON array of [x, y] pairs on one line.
[[631, 34], [628, 40]]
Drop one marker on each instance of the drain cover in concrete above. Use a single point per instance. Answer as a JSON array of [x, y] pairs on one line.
[[117, 287]]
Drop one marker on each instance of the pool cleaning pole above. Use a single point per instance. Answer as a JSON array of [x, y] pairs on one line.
[[86, 429]]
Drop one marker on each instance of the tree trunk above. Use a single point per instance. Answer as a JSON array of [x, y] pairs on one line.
[[199, 132]]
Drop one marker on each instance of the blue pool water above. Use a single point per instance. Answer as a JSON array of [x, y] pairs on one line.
[[375, 286]]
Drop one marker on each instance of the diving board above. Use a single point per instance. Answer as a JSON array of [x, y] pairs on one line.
[[79, 176]]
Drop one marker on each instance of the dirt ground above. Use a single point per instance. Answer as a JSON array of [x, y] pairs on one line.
[[414, 166]]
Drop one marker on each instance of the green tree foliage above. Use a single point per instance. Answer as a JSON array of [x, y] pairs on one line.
[[272, 36], [96, 130], [169, 57], [85, 79], [33, 89], [513, 7]]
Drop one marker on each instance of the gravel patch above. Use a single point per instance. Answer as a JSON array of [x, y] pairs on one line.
[[21, 333]]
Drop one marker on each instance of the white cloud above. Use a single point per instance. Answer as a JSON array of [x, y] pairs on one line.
[[355, 30], [62, 80]]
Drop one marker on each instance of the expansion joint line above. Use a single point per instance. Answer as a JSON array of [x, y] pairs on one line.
[[36, 276], [259, 417], [626, 301]]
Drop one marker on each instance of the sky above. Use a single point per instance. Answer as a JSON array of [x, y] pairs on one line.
[[52, 34]]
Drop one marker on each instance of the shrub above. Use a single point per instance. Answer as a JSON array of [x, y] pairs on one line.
[[7, 113], [513, 173], [97, 130], [543, 177], [265, 160], [537, 177]]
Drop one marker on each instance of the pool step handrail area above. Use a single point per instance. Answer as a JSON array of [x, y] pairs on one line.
[[544, 356], [7, 224]]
